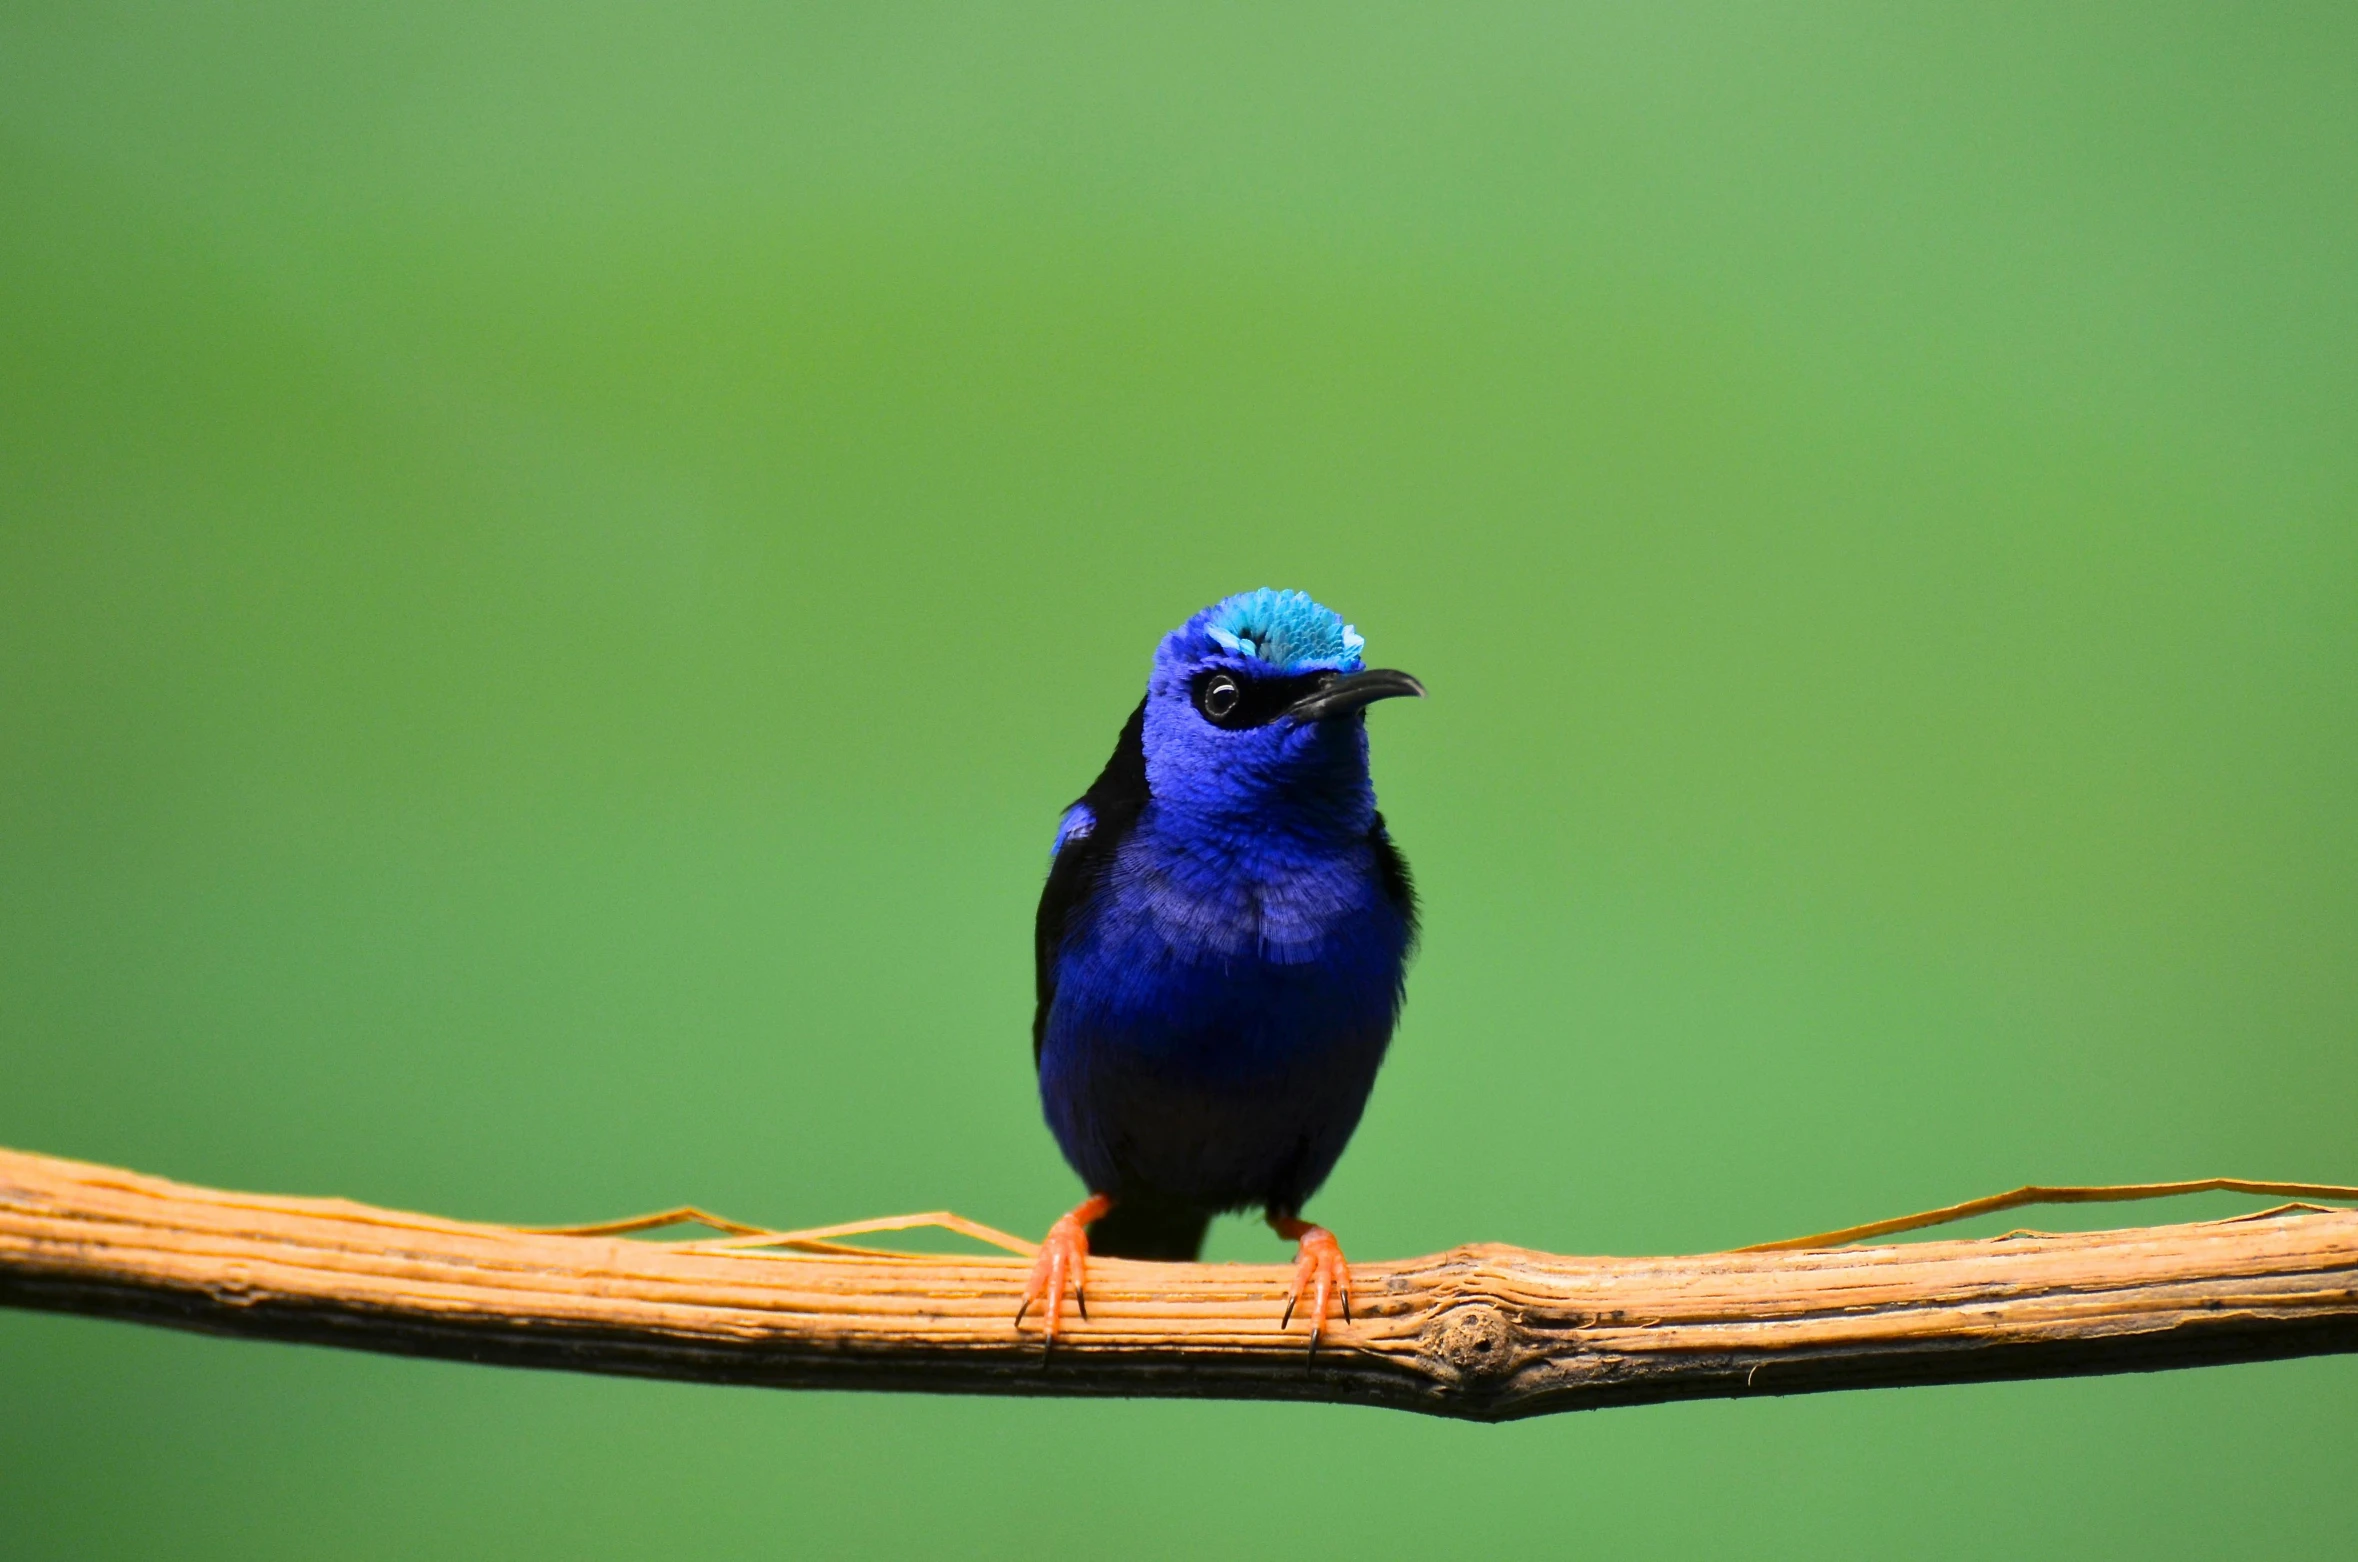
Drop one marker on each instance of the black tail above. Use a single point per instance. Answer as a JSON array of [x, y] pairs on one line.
[[1150, 1228]]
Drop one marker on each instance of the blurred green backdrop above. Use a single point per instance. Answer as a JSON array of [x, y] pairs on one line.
[[559, 563]]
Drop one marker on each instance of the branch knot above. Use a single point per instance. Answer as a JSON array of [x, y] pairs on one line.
[[1473, 1341]]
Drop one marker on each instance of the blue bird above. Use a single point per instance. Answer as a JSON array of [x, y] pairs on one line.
[[1220, 948]]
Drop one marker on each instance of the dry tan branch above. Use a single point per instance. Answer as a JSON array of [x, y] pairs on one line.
[[1484, 1332]]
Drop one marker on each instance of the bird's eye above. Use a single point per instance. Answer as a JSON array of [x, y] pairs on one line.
[[1219, 696]]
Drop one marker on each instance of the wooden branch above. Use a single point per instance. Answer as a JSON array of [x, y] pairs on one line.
[[1483, 1332]]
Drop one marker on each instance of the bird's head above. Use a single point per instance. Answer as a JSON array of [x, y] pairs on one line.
[[1256, 703]]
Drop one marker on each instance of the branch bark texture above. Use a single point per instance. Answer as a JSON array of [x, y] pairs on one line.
[[1481, 1332]]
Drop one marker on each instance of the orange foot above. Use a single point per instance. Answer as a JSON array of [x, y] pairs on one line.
[[1319, 1269], [1063, 1261]]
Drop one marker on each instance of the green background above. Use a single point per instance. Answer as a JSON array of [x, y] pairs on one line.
[[558, 564]]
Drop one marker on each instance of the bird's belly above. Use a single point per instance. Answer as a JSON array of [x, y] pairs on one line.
[[1213, 1069]]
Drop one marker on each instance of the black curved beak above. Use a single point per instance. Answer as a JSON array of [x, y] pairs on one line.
[[1341, 693]]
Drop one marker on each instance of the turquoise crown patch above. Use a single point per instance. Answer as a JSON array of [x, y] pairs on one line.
[[1283, 628]]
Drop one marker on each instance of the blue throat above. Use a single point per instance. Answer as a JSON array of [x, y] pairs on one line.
[[1225, 928]]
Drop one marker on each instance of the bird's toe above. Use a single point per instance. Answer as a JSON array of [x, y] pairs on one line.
[[1062, 1264], [1322, 1277]]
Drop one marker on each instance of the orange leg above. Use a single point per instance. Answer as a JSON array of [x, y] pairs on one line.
[[1063, 1261], [1319, 1269]]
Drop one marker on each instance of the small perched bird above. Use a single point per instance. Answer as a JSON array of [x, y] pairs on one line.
[[1220, 948]]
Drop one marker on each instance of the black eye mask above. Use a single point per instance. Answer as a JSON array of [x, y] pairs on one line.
[[1230, 700]]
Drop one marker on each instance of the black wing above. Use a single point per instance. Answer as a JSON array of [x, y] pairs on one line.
[[1392, 869], [1114, 800]]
